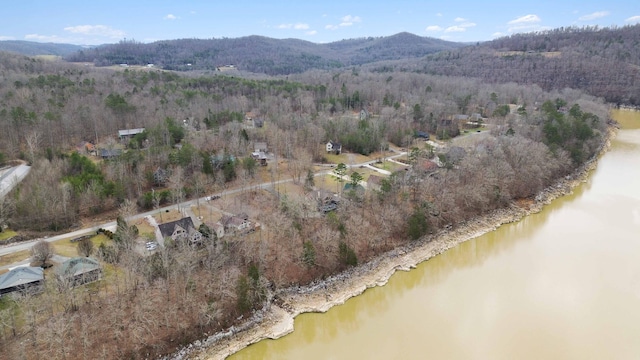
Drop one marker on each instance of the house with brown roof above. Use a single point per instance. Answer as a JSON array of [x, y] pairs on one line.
[[236, 223], [425, 165]]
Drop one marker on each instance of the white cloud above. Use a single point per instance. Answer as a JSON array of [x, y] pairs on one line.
[[527, 19], [439, 14], [455, 29], [298, 26], [345, 21], [497, 34], [2, 38], [350, 20], [312, 32], [593, 16], [527, 23], [633, 19], [96, 30], [170, 17], [433, 28], [460, 27]]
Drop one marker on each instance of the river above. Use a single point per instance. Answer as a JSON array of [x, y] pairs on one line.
[[560, 284]]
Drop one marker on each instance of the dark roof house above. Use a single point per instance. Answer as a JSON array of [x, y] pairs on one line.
[[334, 147], [110, 153], [179, 230], [22, 279]]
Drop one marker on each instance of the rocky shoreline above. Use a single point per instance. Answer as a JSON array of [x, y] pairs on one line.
[[277, 319]]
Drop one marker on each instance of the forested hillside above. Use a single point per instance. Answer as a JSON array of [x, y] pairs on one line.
[[32, 48], [58, 117], [261, 54], [604, 62]]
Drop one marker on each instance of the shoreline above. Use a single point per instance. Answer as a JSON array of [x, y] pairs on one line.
[[277, 318]]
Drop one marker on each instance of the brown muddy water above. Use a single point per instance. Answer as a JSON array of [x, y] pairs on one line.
[[560, 284]]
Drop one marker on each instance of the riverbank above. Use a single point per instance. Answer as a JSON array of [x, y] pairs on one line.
[[278, 319]]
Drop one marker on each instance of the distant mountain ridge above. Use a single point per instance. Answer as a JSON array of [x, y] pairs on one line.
[[262, 54], [32, 48], [604, 62]]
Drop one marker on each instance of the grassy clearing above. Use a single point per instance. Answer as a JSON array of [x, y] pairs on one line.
[[348, 158], [327, 182], [289, 188], [368, 172], [49, 57], [70, 249], [65, 248], [210, 214], [144, 228], [168, 216], [390, 166], [6, 234], [14, 257]]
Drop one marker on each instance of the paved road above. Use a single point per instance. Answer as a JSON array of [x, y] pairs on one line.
[[8, 249], [11, 177]]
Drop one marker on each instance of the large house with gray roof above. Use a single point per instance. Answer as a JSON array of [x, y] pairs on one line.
[[22, 279]]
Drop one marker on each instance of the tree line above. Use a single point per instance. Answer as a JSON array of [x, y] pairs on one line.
[[260, 54], [150, 305]]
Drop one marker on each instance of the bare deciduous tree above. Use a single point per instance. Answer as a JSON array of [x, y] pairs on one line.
[[85, 247], [41, 252]]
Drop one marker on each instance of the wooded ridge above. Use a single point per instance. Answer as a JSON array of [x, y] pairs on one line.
[[293, 178], [261, 54]]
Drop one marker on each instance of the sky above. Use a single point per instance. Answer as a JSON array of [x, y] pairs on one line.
[[98, 22]]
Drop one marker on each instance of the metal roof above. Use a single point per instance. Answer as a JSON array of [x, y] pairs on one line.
[[21, 276], [78, 266]]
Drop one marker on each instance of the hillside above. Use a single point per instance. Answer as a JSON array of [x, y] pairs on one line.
[[602, 61], [261, 54], [200, 139], [31, 48]]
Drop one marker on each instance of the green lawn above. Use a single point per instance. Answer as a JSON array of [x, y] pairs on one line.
[[14, 257], [70, 249], [6, 234]]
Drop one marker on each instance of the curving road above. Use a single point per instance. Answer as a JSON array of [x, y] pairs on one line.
[[11, 177], [8, 249]]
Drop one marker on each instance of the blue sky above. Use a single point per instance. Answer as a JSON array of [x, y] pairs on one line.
[[98, 22]]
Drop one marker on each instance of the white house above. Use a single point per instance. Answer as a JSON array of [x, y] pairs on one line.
[[334, 147]]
